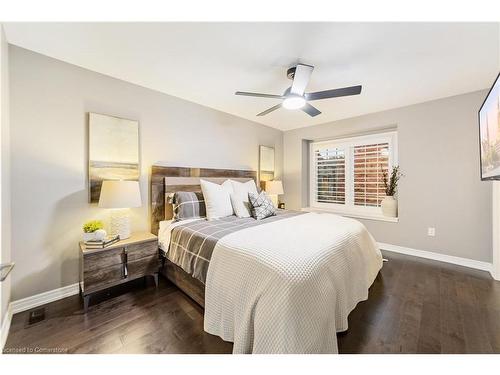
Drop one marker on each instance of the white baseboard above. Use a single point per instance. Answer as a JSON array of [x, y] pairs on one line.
[[43, 298], [484, 266], [5, 327]]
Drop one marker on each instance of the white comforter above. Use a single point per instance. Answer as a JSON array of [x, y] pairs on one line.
[[288, 286]]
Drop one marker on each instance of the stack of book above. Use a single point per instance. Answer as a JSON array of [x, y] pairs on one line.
[[96, 244]]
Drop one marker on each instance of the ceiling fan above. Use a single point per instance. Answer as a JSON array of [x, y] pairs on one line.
[[295, 97]]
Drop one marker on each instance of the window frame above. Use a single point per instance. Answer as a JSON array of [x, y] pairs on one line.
[[349, 209]]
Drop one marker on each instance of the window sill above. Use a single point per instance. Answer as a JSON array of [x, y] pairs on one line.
[[352, 214]]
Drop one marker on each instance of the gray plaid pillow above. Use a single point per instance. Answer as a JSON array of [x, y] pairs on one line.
[[262, 206], [188, 205]]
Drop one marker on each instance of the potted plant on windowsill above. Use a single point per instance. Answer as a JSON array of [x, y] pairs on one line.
[[390, 204]]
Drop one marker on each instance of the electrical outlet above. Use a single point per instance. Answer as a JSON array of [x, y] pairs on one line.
[[431, 231]]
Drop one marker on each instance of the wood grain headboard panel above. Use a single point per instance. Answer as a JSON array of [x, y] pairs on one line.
[[166, 180]]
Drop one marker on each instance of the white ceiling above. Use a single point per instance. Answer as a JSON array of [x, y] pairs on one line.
[[397, 63]]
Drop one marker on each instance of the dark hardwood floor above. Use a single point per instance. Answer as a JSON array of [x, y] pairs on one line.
[[415, 306]]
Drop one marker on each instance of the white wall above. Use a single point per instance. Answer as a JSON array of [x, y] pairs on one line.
[[49, 102], [439, 154], [5, 216]]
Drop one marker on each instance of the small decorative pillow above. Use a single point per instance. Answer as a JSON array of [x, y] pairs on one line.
[[239, 198], [241, 205], [188, 205], [217, 199], [262, 206]]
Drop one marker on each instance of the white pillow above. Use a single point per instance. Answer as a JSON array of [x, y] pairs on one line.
[[241, 204], [239, 199], [244, 187], [217, 199]]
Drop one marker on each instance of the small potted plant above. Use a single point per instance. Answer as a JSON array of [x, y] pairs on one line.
[[90, 228], [389, 204]]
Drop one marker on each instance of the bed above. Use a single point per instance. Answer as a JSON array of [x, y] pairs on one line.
[[285, 284], [166, 180]]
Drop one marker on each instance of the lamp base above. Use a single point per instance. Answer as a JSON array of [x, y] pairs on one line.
[[120, 223]]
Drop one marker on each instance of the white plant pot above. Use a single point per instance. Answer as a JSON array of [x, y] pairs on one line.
[[89, 236], [100, 235], [389, 207]]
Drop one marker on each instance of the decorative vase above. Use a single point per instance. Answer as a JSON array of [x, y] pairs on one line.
[[90, 236], [390, 206]]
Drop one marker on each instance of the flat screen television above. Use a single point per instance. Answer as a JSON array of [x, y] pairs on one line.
[[489, 133]]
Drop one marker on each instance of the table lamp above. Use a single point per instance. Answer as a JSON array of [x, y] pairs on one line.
[[273, 189], [120, 195]]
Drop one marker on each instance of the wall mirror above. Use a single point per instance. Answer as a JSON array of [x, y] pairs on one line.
[[266, 163], [113, 151]]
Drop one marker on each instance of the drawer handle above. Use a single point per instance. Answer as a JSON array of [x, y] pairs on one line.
[[125, 260]]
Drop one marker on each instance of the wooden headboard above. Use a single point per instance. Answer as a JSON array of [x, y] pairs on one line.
[[184, 179]]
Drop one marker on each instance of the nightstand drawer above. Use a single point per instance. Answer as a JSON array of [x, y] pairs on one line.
[[99, 279], [142, 250], [142, 267], [103, 259]]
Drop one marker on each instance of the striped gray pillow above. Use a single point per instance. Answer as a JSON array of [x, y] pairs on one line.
[[188, 205]]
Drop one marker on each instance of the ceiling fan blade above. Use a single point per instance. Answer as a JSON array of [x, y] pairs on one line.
[[301, 79], [335, 93], [269, 110], [259, 95], [310, 110]]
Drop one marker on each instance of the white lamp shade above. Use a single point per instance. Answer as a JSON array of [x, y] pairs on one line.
[[120, 194], [274, 187]]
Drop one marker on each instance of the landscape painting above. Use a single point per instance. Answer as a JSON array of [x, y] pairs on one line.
[[113, 151], [266, 163], [489, 130]]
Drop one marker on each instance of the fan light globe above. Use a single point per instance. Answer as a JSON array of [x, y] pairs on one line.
[[294, 102]]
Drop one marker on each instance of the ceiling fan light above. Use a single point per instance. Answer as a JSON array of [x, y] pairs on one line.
[[294, 102]]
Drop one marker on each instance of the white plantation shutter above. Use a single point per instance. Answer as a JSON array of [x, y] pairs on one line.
[[330, 175], [370, 161], [347, 174]]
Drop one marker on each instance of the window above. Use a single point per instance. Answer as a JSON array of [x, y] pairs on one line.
[[347, 174]]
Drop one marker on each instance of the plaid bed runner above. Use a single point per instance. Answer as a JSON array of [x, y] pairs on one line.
[[192, 244]]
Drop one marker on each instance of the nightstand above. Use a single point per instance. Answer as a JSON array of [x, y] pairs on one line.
[[126, 260]]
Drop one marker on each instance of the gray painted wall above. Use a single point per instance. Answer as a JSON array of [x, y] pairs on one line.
[[5, 215], [49, 102], [439, 154]]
